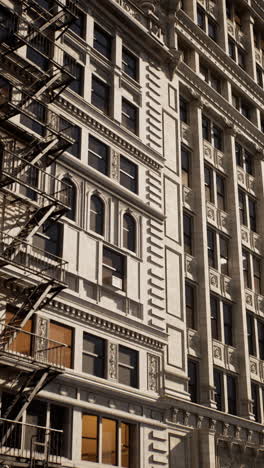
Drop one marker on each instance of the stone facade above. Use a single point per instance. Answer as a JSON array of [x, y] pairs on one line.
[[187, 92]]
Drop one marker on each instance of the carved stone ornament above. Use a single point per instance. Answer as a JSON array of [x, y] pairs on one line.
[[210, 213], [249, 299], [153, 373], [253, 368], [214, 280], [186, 416], [212, 425], [217, 352], [115, 165], [199, 422], [112, 361], [174, 61], [41, 344], [244, 236]]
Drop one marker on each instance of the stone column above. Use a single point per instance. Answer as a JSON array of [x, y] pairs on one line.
[[236, 273], [200, 252]]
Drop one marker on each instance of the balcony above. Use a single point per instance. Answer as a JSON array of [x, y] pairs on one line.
[[32, 259], [41, 184], [34, 348], [30, 443]]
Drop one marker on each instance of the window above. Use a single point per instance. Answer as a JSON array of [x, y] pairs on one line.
[[208, 184], [193, 380], [214, 303], [98, 155], [30, 176], [129, 232], [37, 122], [103, 42], [206, 23], [130, 64], [252, 214], [113, 269], [242, 207], [128, 366], [259, 73], [232, 49], [74, 132], [255, 398], [40, 58], [93, 355], [228, 324], [242, 106], [62, 334], [78, 26], [211, 248], [246, 271], [129, 116], [101, 444], [210, 77], [186, 166], [190, 306], [97, 215], [49, 239], [60, 419], [236, 53], [244, 159], [261, 339], [71, 196], [77, 70], [251, 335], [100, 95], [23, 342], [212, 133], [218, 383], [257, 274], [232, 394], [184, 110], [220, 190], [128, 174], [223, 243], [187, 233]]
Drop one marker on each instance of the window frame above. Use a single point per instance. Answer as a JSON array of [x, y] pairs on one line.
[[134, 374]]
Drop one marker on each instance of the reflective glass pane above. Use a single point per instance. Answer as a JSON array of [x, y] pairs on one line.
[[125, 434], [109, 441], [89, 438]]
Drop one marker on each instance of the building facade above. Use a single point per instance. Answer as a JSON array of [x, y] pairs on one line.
[[131, 284]]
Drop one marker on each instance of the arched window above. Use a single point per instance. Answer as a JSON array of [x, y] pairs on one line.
[[70, 197], [129, 232], [97, 215]]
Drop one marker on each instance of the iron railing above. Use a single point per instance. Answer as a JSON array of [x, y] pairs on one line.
[[35, 347], [32, 259], [29, 441], [13, 168]]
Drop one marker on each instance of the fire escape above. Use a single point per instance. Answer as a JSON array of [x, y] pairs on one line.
[[31, 78]]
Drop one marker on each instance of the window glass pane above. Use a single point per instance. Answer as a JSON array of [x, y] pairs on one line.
[[61, 334], [190, 304], [218, 389], [128, 174], [228, 323], [89, 438], [102, 42], [187, 233], [100, 95], [184, 110], [251, 335], [125, 445], [128, 366], [261, 339], [206, 129], [231, 394], [93, 355], [98, 155], [109, 441], [214, 318], [130, 64], [97, 215], [129, 233], [192, 383], [129, 116]]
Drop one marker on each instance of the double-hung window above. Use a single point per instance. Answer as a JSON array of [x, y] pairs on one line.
[[190, 304], [128, 366], [98, 155], [130, 64], [103, 42], [113, 269], [207, 23], [193, 380], [128, 174], [129, 116], [185, 166], [188, 233], [212, 133], [100, 95], [93, 355]]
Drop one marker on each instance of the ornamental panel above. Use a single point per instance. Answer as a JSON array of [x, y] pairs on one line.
[[153, 373]]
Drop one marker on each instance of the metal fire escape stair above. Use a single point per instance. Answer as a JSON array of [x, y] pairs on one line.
[[38, 297], [32, 385]]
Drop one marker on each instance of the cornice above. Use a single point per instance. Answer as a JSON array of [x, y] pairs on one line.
[[106, 325], [110, 135], [217, 104], [217, 55]]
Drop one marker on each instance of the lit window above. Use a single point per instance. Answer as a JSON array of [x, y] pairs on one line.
[[130, 64], [128, 366], [93, 355], [128, 174], [129, 232], [100, 95], [97, 215], [100, 441], [129, 116], [103, 42], [113, 269], [98, 155]]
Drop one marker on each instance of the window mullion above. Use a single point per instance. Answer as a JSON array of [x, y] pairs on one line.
[[100, 439]]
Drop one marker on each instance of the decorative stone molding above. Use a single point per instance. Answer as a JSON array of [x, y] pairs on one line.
[[190, 267], [187, 197], [112, 364], [213, 155], [115, 165], [105, 325], [109, 134], [153, 373], [225, 356], [193, 340], [40, 344], [220, 283], [186, 134], [217, 217]]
